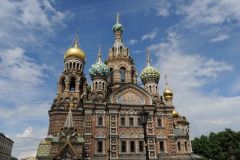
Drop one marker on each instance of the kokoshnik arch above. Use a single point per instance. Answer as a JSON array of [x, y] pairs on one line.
[[102, 120]]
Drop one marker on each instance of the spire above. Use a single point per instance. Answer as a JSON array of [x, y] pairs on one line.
[[118, 18], [76, 41], [99, 59], [148, 58], [69, 119], [166, 82]]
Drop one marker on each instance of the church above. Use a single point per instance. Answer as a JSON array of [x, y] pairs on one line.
[[113, 117]]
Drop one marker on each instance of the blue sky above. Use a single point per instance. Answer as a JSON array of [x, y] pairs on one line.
[[196, 43]]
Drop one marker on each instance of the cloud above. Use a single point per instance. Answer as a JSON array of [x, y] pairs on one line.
[[25, 99], [149, 36], [211, 12], [26, 143], [132, 42], [219, 38], [20, 20], [162, 7], [26, 134], [188, 75], [19, 73]]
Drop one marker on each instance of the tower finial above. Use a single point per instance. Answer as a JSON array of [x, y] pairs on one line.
[[69, 119], [76, 41], [148, 57], [118, 18], [99, 59], [166, 82]]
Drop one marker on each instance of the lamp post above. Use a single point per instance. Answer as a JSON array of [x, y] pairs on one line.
[[144, 119]]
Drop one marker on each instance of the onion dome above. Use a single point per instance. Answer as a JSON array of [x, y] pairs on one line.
[[167, 93], [99, 68], [149, 73], [75, 50], [175, 114], [118, 26]]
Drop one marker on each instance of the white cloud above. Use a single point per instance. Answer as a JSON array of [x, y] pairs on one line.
[[26, 134], [211, 11], [132, 42], [188, 75], [149, 36], [220, 37], [26, 143], [162, 7], [20, 20]]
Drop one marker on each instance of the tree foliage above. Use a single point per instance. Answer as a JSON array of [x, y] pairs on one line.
[[223, 145]]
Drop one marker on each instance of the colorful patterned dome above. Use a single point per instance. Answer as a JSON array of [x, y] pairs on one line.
[[149, 73], [99, 68], [118, 26]]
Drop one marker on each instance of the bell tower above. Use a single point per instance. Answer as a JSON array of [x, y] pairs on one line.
[[119, 61], [71, 89]]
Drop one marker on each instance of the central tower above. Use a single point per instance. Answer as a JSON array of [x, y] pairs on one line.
[[122, 67]]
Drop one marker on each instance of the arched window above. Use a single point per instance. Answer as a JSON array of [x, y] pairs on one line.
[[186, 147], [179, 146], [123, 74], [100, 84], [77, 65], [72, 84], [70, 65], [74, 64], [132, 75], [63, 84], [111, 75], [96, 85], [150, 88], [103, 85]]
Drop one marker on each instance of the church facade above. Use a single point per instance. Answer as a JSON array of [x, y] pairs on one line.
[[103, 120]]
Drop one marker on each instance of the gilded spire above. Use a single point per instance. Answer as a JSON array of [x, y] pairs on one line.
[[148, 58], [99, 59], [166, 82], [69, 119], [76, 41], [118, 18]]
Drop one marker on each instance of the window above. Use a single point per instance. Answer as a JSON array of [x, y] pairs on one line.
[[139, 121], [131, 121], [63, 84], [186, 147], [123, 74], [123, 121], [99, 146], [159, 122], [132, 146], [111, 75], [123, 146], [161, 146], [133, 73], [179, 146], [100, 121], [141, 146], [72, 85]]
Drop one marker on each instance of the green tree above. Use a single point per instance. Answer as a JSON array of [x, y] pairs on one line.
[[218, 146]]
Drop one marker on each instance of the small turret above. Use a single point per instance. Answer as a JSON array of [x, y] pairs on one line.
[[167, 93], [150, 77], [99, 73]]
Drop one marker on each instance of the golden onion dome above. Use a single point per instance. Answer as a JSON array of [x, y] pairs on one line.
[[168, 93], [75, 51], [175, 113]]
